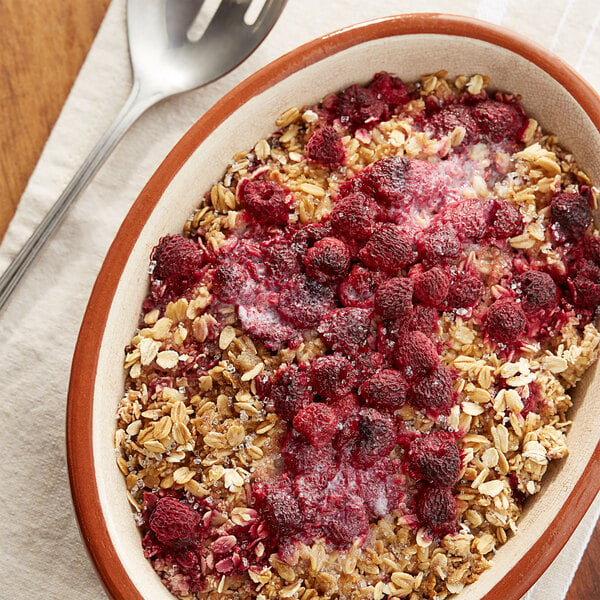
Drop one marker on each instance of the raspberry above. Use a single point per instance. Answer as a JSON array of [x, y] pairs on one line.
[[232, 283], [354, 216], [349, 522], [367, 363], [389, 248], [586, 292], [318, 423], [571, 215], [177, 263], [325, 147], [357, 185], [433, 393], [376, 438], [431, 287], [507, 221], [465, 291], [400, 182], [469, 219], [587, 269], [264, 323], [311, 492], [328, 260], [586, 285], [439, 244], [381, 486], [505, 321], [448, 118], [435, 458], [436, 510], [332, 376], [387, 179], [391, 90], [345, 329], [537, 290], [301, 458], [307, 235], [267, 202], [346, 439], [423, 319], [592, 249], [303, 302], [173, 522], [416, 354], [358, 289], [358, 107], [278, 506], [393, 298], [289, 391], [426, 184], [281, 258], [386, 390], [345, 406], [500, 121]]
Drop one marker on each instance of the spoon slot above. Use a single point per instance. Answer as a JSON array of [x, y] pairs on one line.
[[253, 11], [203, 18]]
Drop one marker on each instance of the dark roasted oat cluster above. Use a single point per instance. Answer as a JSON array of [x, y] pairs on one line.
[[351, 368]]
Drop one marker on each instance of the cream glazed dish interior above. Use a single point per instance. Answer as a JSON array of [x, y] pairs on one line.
[[352, 351]]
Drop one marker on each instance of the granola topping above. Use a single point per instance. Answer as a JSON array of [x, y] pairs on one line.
[[351, 370]]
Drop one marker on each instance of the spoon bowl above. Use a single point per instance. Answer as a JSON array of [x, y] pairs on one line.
[[167, 60]]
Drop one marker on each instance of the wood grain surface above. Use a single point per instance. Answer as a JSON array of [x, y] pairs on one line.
[[42, 47]]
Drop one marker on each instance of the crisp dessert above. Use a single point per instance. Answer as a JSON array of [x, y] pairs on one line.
[[351, 370]]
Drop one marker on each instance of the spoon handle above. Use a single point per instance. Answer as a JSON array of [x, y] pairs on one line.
[[134, 106]]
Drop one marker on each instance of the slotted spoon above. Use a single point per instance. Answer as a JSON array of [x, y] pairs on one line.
[[165, 60]]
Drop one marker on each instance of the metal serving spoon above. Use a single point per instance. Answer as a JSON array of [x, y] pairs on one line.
[[167, 59]]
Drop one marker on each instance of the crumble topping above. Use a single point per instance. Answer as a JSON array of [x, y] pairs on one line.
[[351, 371]]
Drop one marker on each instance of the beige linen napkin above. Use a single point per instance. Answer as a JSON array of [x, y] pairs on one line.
[[40, 550]]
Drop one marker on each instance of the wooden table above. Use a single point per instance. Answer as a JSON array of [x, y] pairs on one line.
[[42, 47]]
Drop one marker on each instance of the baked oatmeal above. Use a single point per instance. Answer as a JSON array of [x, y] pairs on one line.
[[352, 369]]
